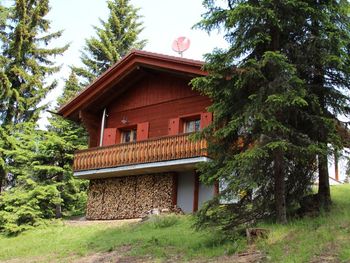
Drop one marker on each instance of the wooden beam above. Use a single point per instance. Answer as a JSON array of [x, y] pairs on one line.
[[91, 123], [195, 192], [175, 185]]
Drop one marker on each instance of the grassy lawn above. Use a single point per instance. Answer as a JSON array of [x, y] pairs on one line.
[[303, 240], [161, 239], [313, 239]]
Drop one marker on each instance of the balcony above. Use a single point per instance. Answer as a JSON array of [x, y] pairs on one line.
[[154, 155]]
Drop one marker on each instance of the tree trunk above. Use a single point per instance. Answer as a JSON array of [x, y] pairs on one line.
[[324, 191], [58, 213], [280, 188]]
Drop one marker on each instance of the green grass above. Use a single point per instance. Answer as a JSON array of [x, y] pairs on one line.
[[302, 240], [159, 238]]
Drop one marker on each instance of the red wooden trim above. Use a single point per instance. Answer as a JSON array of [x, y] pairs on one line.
[[206, 119], [92, 124], [191, 116], [175, 185], [174, 126], [126, 143], [142, 131], [118, 71], [109, 136], [195, 192]]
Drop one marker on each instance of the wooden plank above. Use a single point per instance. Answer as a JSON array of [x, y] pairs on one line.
[[126, 66], [174, 126], [153, 150], [206, 119], [109, 136], [92, 124], [175, 185], [142, 131]]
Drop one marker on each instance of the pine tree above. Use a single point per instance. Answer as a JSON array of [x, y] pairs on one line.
[[261, 104], [323, 61], [55, 155], [25, 63], [114, 39], [27, 200], [28, 62]]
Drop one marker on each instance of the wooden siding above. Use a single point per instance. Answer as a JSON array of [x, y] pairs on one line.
[[156, 100], [131, 67], [153, 150]]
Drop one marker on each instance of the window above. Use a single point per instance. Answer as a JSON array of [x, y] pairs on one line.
[[192, 125], [128, 135]]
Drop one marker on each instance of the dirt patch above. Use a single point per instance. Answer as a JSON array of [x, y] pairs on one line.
[[328, 255], [117, 256], [81, 221], [252, 255], [110, 257], [27, 260], [121, 256]]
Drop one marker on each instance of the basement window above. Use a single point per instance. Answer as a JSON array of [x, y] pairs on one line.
[[128, 135]]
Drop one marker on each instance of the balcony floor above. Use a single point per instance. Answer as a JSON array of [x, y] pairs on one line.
[[178, 165]]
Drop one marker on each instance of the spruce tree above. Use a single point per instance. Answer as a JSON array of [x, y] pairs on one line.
[[28, 199], [25, 63], [114, 39], [257, 140], [322, 59], [28, 61], [55, 156]]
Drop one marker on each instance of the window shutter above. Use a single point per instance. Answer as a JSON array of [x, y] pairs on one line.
[[142, 131], [109, 136], [206, 119], [174, 126]]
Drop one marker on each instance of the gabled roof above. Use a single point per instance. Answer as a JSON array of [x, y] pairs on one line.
[[126, 70]]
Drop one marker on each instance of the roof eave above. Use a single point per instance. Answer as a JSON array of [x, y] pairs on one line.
[[122, 68]]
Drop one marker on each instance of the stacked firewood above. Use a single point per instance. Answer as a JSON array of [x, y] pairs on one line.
[[129, 197]]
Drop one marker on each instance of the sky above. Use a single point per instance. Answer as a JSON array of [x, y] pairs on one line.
[[163, 21]]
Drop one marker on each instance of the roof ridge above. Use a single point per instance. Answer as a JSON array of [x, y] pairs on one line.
[[134, 53]]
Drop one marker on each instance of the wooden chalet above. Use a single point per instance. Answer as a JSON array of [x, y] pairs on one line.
[[139, 115]]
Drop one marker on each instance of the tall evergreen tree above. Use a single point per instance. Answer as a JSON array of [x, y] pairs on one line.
[[114, 39], [27, 200], [26, 62], [41, 185], [263, 108], [55, 157], [322, 58]]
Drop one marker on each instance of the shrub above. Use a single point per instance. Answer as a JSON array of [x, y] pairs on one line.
[[23, 208]]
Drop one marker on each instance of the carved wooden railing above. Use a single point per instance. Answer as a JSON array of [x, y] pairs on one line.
[[152, 150]]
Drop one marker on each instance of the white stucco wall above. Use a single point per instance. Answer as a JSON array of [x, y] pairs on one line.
[[342, 163]]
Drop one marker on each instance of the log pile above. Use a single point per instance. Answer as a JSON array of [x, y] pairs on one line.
[[129, 197]]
